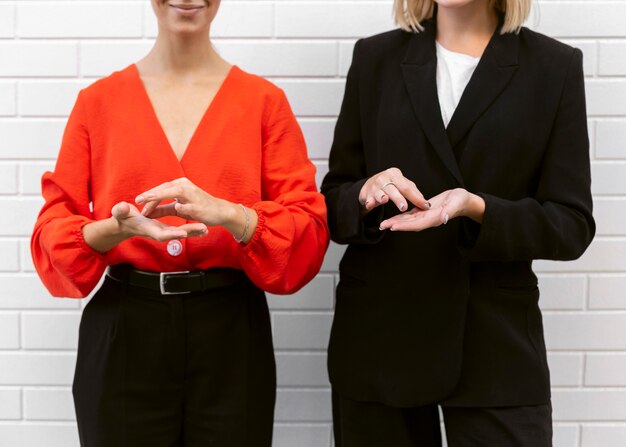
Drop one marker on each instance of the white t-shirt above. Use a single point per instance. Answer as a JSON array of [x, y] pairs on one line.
[[454, 71]]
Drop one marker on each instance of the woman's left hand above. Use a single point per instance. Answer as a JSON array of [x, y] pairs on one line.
[[193, 203], [445, 206]]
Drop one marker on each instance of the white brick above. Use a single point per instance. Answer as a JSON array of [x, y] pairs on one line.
[[611, 139], [10, 403], [48, 405], [29, 435], [9, 261], [610, 216], [282, 58], [37, 369], [9, 331], [7, 98], [333, 256], [23, 212], [7, 20], [612, 59], [318, 134], [562, 292], [607, 292], [320, 172], [306, 370], [332, 19], [8, 178], [103, 58], [603, 435], [602, 256], [31, 139], [580, 19], [48, 98], [608, 177], [303, 406], [589, 405], [301, 436], [565, 435], [585, 331], [79, 19], [606, 97], [30, 176], [565, 369], [50, 330], [590, 50], [345, 57], [605, 370], [301, 331], [27, 292], [234, 19], [314, 98], [318, 294], [38, 59], [26, 261]]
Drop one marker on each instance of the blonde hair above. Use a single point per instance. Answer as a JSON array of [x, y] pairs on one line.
[[409, 14]]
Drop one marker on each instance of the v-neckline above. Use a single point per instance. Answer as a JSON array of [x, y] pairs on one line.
[[154, 117]]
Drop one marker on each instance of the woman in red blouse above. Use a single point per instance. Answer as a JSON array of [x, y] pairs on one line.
[[190, 179]]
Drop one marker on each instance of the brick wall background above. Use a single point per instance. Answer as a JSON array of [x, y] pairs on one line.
[[50, 49]]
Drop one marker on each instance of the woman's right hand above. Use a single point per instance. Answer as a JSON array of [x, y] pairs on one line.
[[126, 221], [388, 185]]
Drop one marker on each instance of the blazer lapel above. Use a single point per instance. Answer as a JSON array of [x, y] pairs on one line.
[[494, 71], [419, 72]]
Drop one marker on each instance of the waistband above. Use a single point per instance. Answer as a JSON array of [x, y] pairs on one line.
[[175, 283]]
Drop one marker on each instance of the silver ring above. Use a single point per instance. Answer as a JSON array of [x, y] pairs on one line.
[[387, 184]]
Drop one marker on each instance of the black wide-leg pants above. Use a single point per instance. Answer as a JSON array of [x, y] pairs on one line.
[[192, 370]]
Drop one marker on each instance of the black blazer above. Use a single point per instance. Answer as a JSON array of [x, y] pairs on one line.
[[451, 314]]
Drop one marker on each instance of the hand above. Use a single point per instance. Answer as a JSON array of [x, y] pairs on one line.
[[445, 206], [132, 223], [193, 203], [190, 202], [391, 185]]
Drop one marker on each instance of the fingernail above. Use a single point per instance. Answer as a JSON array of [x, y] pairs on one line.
[[402, 205], [446, 220], [381, 228], [139, 199], [427, 205], [391, 229]]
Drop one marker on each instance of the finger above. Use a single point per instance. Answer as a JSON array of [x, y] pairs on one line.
[[395, 196], [195, 229], [161, 193], [165, 232], [408, 216], [409, 190], [160, 210], [417, 224], [120, 210]]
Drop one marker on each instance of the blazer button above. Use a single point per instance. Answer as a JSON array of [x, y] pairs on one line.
[[174, 247]]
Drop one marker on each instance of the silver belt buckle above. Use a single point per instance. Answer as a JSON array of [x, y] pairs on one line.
[[162, 284]]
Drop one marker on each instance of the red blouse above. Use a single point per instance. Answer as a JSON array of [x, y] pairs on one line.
[[248, 148]]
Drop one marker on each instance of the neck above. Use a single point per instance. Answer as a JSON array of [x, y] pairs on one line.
[[468, 28], [178, 55]]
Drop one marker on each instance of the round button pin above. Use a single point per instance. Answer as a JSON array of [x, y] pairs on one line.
[[174, 248]]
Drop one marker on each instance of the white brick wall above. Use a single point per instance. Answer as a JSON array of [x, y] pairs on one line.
[[50, 49]]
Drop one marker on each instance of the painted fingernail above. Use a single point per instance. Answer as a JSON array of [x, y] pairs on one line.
[[391, 229], [427, 205], [446, 219], [402, 206]]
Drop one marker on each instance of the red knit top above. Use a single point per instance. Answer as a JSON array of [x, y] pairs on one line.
[[247, 148]]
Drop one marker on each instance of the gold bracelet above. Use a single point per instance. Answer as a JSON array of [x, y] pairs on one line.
[[246, 226]]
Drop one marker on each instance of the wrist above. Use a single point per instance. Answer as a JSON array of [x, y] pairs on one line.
[[475, 209]]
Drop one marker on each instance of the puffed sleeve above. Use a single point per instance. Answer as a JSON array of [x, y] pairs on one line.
[[347, 172], [557, 222], [66, 264], [288, 246]]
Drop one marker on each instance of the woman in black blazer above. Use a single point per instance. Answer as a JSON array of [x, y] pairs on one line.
[[437, 302]]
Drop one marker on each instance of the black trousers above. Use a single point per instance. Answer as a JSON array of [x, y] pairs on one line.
[[370, 424], [193, 370]]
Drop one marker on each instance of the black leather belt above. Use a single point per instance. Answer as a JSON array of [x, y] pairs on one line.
[[174, 283]]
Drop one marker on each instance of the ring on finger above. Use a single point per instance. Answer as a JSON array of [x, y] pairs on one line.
[[387, 184]]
